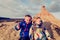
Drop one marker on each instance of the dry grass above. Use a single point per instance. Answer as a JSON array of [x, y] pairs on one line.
[[7, 31]]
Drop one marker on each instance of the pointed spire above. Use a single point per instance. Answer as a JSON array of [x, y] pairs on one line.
[[44, 11], [43, 8]]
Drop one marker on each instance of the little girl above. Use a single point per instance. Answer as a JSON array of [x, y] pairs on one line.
[[37, 31]]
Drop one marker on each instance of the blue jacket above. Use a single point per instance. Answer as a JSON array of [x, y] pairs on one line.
[[24, 28]]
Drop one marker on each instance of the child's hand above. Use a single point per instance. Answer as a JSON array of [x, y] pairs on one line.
[[50, 38]]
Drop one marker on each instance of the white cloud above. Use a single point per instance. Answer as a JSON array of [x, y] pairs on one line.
[[8, 8], [54, 6], [17, 8]]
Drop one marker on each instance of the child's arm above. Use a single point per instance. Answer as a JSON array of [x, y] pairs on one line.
[[17, 27], [48, 35], [30, 33]]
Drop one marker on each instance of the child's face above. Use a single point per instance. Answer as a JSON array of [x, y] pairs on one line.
[[27, 19], [38, 21]]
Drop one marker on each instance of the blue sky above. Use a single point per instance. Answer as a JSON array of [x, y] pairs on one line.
[[19, 8]]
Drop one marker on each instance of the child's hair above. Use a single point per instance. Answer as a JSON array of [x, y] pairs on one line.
[[38, 18], [40, 21], [28, 16]]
